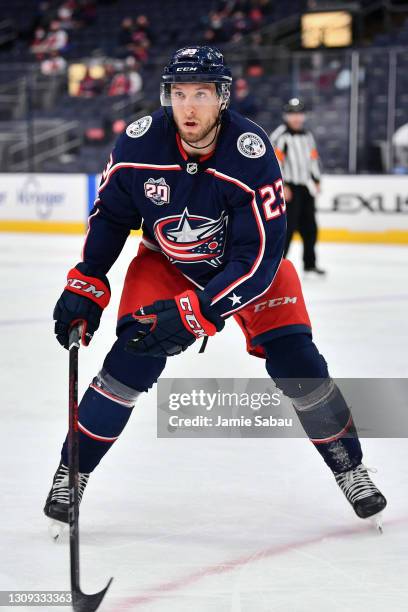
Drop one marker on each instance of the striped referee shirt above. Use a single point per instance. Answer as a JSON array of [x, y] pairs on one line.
[[297, 155]]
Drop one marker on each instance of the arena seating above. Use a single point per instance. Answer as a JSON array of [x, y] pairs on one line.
[[173, 24]]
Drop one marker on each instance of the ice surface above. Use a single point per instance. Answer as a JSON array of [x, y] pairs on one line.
[[220, 525]]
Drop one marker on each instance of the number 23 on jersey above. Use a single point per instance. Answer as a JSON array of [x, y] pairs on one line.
[[271, 207]]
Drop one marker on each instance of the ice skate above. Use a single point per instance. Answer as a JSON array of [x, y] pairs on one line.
[[314, 272], [57, 504], [363, 495]]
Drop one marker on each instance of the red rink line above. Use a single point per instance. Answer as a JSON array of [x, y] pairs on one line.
[[160, 590]]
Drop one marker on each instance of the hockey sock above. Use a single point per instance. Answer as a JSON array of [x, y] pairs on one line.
[[107, 404], [301, 373], [102, 416], [327, 420]]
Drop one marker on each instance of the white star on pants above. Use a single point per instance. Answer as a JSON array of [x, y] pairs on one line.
[[236, 299]]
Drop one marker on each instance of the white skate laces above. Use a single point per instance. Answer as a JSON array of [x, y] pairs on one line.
[[363, 495], [60, 487], [356, 483]]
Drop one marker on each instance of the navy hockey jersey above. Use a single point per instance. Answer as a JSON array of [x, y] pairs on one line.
[[219, 218]]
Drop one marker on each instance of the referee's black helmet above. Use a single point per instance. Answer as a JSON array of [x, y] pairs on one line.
[[294, 105]]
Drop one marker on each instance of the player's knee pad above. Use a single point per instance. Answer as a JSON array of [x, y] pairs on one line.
[[326, 418], [102, 415], [136, 372], [324, 413], [113, 389], [295, 364], [301, 373]]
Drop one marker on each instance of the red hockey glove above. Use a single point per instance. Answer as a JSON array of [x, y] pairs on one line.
[[82, 301], [172, 326]]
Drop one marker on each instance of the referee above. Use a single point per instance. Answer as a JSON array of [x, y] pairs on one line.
[[296, 151]]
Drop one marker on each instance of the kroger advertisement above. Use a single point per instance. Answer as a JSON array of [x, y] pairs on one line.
[[358, 208], [43, 202]]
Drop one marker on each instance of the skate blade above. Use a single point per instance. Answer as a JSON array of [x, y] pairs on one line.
[[56, 529], [376, 521], [313, 277]]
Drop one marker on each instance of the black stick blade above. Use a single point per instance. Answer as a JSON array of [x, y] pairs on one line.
[[88, 603]]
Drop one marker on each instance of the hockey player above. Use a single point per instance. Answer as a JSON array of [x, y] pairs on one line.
[[205, 186]]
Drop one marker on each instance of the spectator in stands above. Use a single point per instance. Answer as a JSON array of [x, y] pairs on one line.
[[48, 29], [65, 14], [119, 85], [209, 36], [38, 46], [89, 87], [232, 19], [44, 43], [40, 21], [140, 51], [243, 101], [136, 82], [256, 16], [125, 37], [240, 25], [142, 30], [219, 26], [54, 64], [254, 69], [255, 40], [134, 39], [57, 38], [84, 13], [111, 67]]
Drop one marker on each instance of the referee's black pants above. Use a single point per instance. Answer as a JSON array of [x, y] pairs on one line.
[[301, 217]]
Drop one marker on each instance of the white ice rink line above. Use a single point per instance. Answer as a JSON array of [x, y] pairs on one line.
[[236, 525]]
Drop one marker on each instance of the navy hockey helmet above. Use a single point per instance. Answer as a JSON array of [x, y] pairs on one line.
[[294, 105], [201, 64]]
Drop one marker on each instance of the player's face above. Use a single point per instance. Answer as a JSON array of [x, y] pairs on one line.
[[195, 109], [295, 120]]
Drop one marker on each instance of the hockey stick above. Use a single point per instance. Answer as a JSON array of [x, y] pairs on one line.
[[80, 601]]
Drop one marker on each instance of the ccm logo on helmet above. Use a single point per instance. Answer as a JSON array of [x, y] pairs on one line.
[[190, 318], [275, 302], [75, 283], [187, 69]]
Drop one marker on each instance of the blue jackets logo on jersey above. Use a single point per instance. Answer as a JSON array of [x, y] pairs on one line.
[[189, 238]]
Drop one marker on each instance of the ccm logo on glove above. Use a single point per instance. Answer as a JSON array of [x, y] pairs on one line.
[[189, 309], [85, 296], [93, 288], [168, 327]]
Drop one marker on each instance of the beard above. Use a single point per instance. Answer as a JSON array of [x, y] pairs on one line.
[[200, 135]]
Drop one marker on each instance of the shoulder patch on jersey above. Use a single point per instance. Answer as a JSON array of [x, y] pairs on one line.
[[251, 145], [139, 127]]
